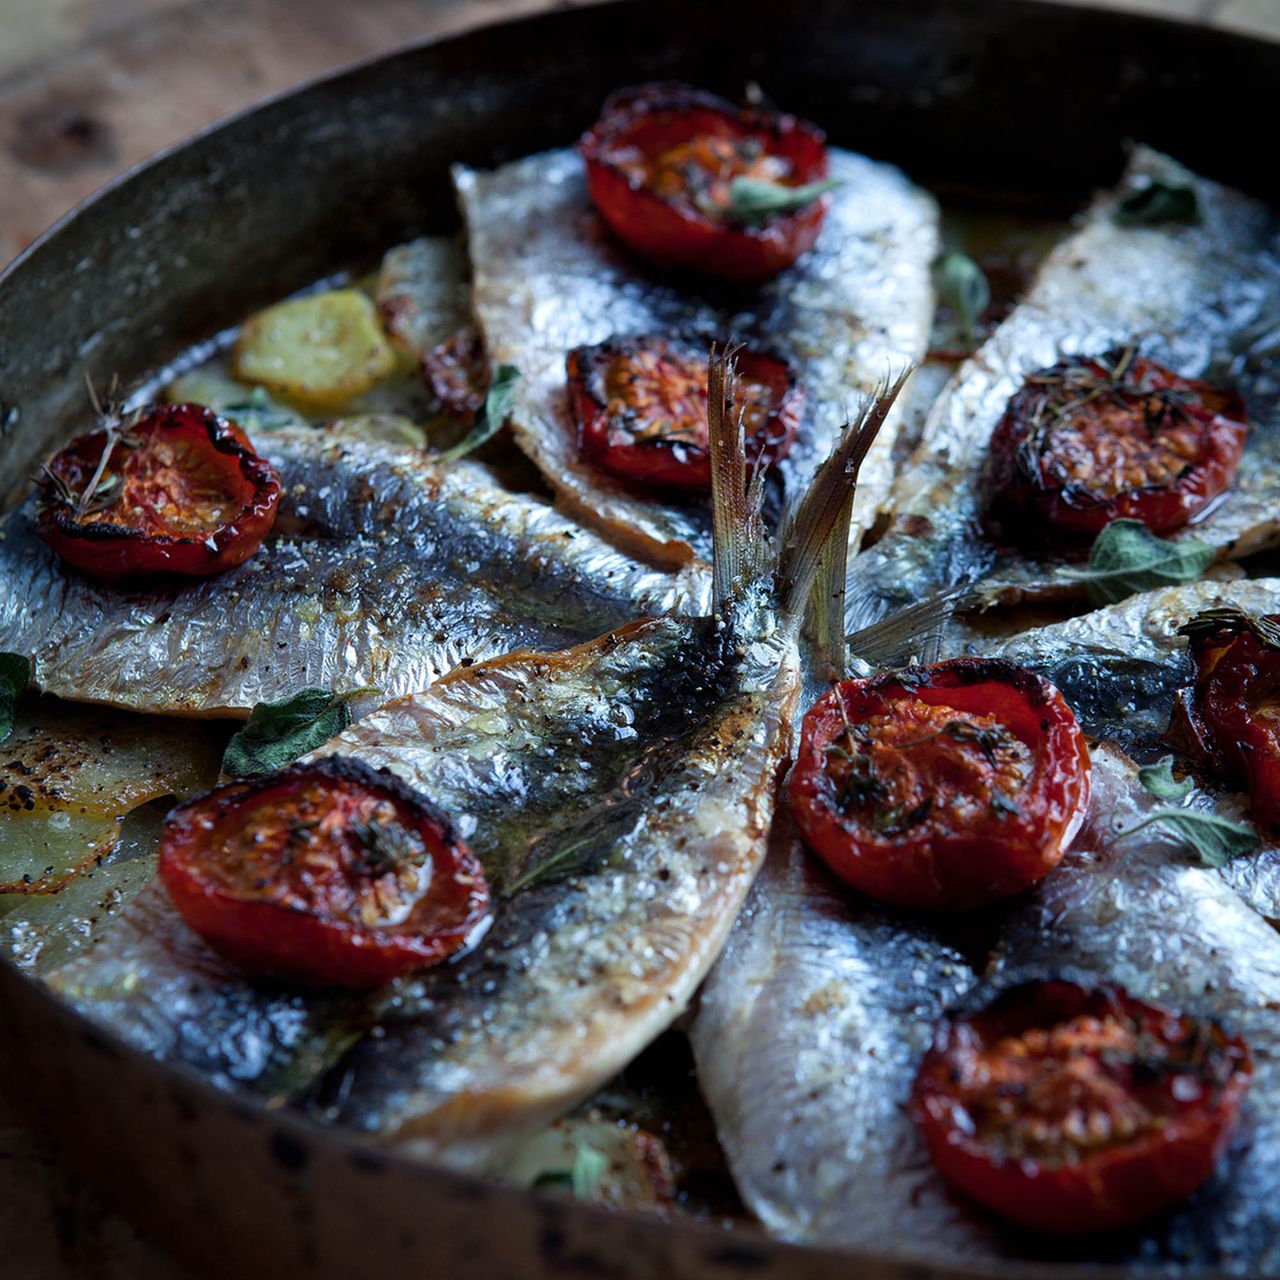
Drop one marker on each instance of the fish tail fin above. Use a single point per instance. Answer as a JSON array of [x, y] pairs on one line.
[[914, 632], [741, 554], [815, 538]]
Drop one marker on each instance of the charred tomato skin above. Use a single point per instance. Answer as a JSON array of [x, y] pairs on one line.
[[1218, 717], [1097, 1186], [258, 927], [1204, 438], [612, 441], [651, 119], [456, 374], [945, 861], [131, 541]]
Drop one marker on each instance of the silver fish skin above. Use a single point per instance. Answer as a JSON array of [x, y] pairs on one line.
[[620, 796], [1137, 912], [807, 1036], [1201, 298], [1119, 667], [548, 277], [150, 980], [384, 570], [823, 1006]]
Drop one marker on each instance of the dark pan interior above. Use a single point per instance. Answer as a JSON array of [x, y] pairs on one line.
[[1005, 99]]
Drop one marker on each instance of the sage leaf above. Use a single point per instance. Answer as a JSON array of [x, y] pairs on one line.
[[15, 675], [1157, 202], [754, 201], [1127, 557], [277, 733], [962, 285], [1159, 781], [1216, 841], [497, 409]]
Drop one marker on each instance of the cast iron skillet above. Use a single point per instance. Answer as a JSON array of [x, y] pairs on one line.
[[1002, 98]]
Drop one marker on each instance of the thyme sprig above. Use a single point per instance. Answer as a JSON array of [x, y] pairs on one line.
[[1058, 393], [387, 846], [1228, 618]]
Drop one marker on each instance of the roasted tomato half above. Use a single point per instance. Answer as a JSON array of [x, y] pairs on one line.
[[1120, 437], [1231, 714], [173, 489], [640, 405], [456, 374], [329, 873], [661, 166], [1075, 1108], [944, 787]]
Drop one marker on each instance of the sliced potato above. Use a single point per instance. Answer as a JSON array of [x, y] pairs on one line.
[[320, 351], [423, 296], [68, 777]]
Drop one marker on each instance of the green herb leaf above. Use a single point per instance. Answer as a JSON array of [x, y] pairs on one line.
[[15, 675], [962, 285], [261, 413], [1127, 557], [497, 409], [754, 201], [277, 733], [1158, 202], [584, 1178], [1215, 840], [1159, 780]]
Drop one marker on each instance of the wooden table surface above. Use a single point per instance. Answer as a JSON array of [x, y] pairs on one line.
[[88, 88]]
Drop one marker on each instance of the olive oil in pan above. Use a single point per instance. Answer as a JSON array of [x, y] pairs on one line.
[[1199, 296], [548, 277]]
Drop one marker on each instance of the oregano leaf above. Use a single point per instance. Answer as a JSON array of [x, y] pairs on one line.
[[1159, 781], [1155, 202], [497, 409], [962, 285], [15, 676], [754, 201], [1127, 557]]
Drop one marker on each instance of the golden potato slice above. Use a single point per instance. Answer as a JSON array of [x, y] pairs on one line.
[[320, 350]]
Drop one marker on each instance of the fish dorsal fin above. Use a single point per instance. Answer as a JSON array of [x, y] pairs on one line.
[[815, 536], [741, 553]]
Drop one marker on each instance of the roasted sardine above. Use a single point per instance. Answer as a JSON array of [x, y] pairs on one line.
[[1200, 297], [548, 277], [384, 570]]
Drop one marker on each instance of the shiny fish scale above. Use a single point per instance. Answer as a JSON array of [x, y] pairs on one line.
[[1200, 297], [549, 277], [152, 981], [807, 1036], [384, 569], [585, 966], [1119, 667], [1137, 913]]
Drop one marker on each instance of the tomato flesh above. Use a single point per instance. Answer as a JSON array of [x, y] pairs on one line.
[[1072, 1108], [660, 163], [328, 874], [1233, 708], [181, 491], [640, 408], [1120, 437], [456, 374], [944, 790]]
